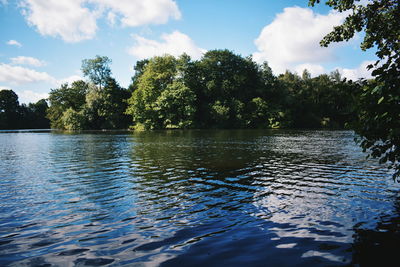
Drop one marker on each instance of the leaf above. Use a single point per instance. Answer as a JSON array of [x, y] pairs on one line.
[[381, 99], [376, 89]]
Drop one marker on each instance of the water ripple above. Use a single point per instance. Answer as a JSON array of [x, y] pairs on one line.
[[192, 198]]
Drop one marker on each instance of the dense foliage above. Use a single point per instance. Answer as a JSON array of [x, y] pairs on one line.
[[379, 106], [221, 90], [16, 116], [225, 90], [97, 104]]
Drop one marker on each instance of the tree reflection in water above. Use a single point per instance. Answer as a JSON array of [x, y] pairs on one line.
[[378, 246]]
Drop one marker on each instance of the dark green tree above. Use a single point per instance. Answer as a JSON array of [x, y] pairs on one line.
[[16, 116], [379, 122], [9, 106], [33, 115], [139, 69], [226, 84], [39, 113], [104, 108]]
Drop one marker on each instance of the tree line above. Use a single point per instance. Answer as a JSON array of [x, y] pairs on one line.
[[225, 90], [21, 116], [221, 90]]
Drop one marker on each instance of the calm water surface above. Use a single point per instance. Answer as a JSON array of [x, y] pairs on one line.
[[194, 198]]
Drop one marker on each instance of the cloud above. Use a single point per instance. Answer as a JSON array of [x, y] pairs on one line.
[[21, 60], [313, 69], [293, 38], [15, 43], [76, 20], [29, 96], [357, 73], [3, 2], [4, 88], [66, 19], [69, 80], [20, 75], [174, 44], [138, 12]]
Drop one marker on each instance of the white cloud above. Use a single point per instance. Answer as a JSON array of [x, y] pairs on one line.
[[138, 12], [69, 80], [29, 96], [313, 69], [26, 96], [357, 73], [174, 44], [69, 20], [20, 75], [76, 20], [21, 60], [293, 38], [14, 42]]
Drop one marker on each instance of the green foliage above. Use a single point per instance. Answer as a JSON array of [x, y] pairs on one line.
[[139, 69], [326, 101], [97, 105], [33, 115], [8, 109], [379, 122], [16, 116], [105, 107], [64, 98], [259, 113], [162, 100], [221, 90], [220, 113], [97, 70], [225, 85], [73, 120], [176, 106], [224, 90]]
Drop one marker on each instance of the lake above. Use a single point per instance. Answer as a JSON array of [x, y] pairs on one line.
[[194, 198]]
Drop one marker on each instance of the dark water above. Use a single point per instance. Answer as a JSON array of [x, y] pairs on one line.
[[194, 198]]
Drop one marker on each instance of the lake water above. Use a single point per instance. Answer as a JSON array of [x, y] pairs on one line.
[[194, 198]]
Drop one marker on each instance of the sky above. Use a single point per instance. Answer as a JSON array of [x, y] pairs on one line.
[[43, 42]]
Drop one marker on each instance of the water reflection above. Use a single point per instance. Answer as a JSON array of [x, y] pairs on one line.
[[190, 197], [377, 245]]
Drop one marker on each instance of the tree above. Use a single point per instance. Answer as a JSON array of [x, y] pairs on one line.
[[162, 99], [379, 122], [73, 120], [104, 109], [139, 69], [33, 115], [259, 113], [97, 70], [8, 109], [176, 105], [63, 98], [226, 84], [16, 116], [39, 110]]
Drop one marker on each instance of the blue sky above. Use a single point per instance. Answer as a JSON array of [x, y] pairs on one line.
[[42, 42]]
